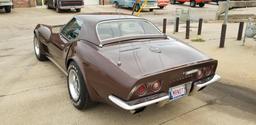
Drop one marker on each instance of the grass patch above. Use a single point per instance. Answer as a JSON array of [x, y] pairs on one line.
[[198, 39]]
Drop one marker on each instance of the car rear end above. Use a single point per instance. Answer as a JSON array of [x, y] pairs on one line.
[[162, 3], [169, 85], [71, 4], [6, 4], [203, 1], [151, 4]]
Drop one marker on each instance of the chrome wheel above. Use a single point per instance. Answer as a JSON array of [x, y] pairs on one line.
[[74, 85], [36, 47], [77, 89], [193, 3]]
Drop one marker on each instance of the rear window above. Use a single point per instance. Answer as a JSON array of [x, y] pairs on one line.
[[123, 28]]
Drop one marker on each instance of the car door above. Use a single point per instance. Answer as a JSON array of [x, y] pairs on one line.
[[61, 42]]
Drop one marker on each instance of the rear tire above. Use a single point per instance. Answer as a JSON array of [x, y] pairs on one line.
[[201, 4], [193, 3], [77, 89], [173, 1], [161, 7], [8, 9], [58, 10], [137, 8], [116, 4], [78, 10], [48, 6], [38, 48], [181, 2]]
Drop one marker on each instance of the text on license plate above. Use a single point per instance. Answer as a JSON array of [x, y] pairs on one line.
[[177, 91]]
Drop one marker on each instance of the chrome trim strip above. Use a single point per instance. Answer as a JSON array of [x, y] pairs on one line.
[[214, 79], [125, 106], [57, 65], [119, 20], [191, 71]]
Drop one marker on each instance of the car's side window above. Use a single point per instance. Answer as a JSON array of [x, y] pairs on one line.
[[72, 29]]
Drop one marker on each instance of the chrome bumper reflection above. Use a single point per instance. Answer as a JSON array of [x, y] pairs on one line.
[[200, 86], [124, 105]]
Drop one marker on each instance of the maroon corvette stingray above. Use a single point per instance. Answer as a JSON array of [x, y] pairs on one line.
[[122, 60]]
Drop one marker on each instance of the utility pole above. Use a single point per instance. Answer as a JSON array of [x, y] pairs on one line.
[[224, 26]]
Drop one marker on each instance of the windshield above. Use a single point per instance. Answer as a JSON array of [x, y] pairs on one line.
[[122, 28]]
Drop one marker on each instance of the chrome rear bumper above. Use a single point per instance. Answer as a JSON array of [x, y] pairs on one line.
[[71, 7], [124, 105], [200, 86]]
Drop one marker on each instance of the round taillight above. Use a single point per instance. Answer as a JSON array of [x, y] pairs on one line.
[[200, 74], [155, 86], [141, 90]]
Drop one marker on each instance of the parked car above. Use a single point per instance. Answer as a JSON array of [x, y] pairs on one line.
[[60, 5], [162, 3], [217, 1], [122, 60], [193, 3], [151, 4], [6, 5]]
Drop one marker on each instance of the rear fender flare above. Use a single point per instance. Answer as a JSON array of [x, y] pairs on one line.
[[94, 96]]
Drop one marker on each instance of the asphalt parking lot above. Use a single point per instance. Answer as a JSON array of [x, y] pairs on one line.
[[33, 92]]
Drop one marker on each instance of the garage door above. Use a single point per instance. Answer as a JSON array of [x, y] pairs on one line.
[[91, 2]]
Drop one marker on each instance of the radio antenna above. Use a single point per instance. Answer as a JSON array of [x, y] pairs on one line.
[[119, 63]]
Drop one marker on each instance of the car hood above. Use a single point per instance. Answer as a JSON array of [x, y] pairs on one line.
[[142, 58]]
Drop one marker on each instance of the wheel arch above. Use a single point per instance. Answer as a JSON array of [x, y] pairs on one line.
[[36, 30], [36, 33], [43, 42], [114, 1], [94, 96]]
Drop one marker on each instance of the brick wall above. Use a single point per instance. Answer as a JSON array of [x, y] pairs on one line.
[[106, 2], [23, 3]]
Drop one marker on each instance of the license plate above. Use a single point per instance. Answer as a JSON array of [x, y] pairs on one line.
[[177, 92]]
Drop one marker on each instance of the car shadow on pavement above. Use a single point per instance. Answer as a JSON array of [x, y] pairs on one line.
[[65, 11], [186, 5], [216, 97], [241, 98]]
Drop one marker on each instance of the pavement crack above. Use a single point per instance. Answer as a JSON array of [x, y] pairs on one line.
[[31, 89], [4, 56], [183, 114], [2, 96]]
